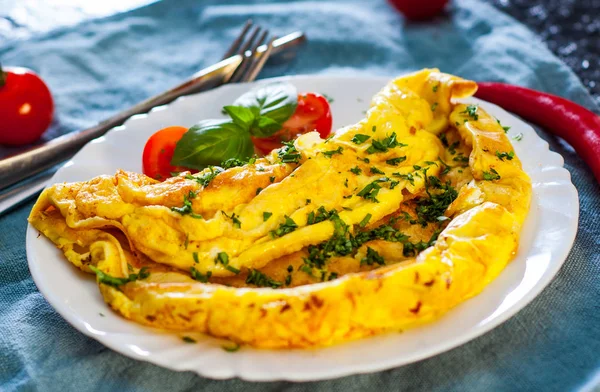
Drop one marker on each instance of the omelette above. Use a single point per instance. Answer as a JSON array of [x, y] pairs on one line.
[[386, 225]]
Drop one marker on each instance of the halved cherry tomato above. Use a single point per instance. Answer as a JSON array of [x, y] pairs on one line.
[[26, 106], [158, 152], [312, 114]]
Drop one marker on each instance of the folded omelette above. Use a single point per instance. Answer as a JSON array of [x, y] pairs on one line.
[[387, 224]]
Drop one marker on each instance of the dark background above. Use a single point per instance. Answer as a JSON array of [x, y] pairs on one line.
[[570, 28]]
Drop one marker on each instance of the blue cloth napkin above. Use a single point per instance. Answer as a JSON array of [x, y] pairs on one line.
[[99, 67]]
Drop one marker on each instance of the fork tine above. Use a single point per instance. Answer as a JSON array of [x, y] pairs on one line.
[[234, 46], [248, 43], [248, 51], [258, 64]]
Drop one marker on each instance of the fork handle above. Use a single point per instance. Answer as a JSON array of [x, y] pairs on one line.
[[39, 158]]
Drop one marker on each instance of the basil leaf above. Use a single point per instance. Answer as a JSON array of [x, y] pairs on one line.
[[276, 101], [242, 116], [265, 127], [210, 142]]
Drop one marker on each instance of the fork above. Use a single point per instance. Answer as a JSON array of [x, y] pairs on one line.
[[242, 62]]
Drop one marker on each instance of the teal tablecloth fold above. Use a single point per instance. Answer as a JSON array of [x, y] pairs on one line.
[[99, 67]]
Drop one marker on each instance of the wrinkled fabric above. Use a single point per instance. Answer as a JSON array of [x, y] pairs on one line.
[[102, 66]]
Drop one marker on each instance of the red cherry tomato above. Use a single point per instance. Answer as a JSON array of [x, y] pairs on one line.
[[418, 9], [312, 114], [26, 106], [158, 151]]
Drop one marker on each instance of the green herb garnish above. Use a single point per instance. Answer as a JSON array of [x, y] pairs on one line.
[[505, 155], [186, 209], [370, 191], [266, 215], [109, 280], [199, 276], [285, 228], [356, 170], [491, 175], [365, 220], [259, 279], [329, 154], [234, 219], [288, 153], [360, 138], [471, 110], [395, 161], [372, 257], [384, 144]]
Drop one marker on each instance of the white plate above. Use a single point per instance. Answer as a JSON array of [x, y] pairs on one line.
[[547, 238]]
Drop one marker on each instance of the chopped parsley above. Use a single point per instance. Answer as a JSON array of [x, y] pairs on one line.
[[440, 196], [187, 339], [384, 144], [195, 257], [518, 137], [234, 219], [199, 276], [365, 160], [412, 249], [375, 170], [258, 190], [395, 161], [434, 106], [266, 215], [372, 257], [444, 139], [223, 258], [471, 111], [491, 175], [330, 153], [435, 88], [288, 153], [285, 228], [186, 209], [321, 215], [356, 170], [259, 279], [506, 129], [365, 220], [461, 158], [235, 162], [452, 148], [109, 280], [206, 178], [370, 191], [308, 201], [408, 177], [505, 155], [272, 179], [359, 138]]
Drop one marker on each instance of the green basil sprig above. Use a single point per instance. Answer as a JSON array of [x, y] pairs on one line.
[[260, 112], [270, 105]]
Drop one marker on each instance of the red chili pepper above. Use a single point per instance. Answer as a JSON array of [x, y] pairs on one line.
[[579, 126]]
